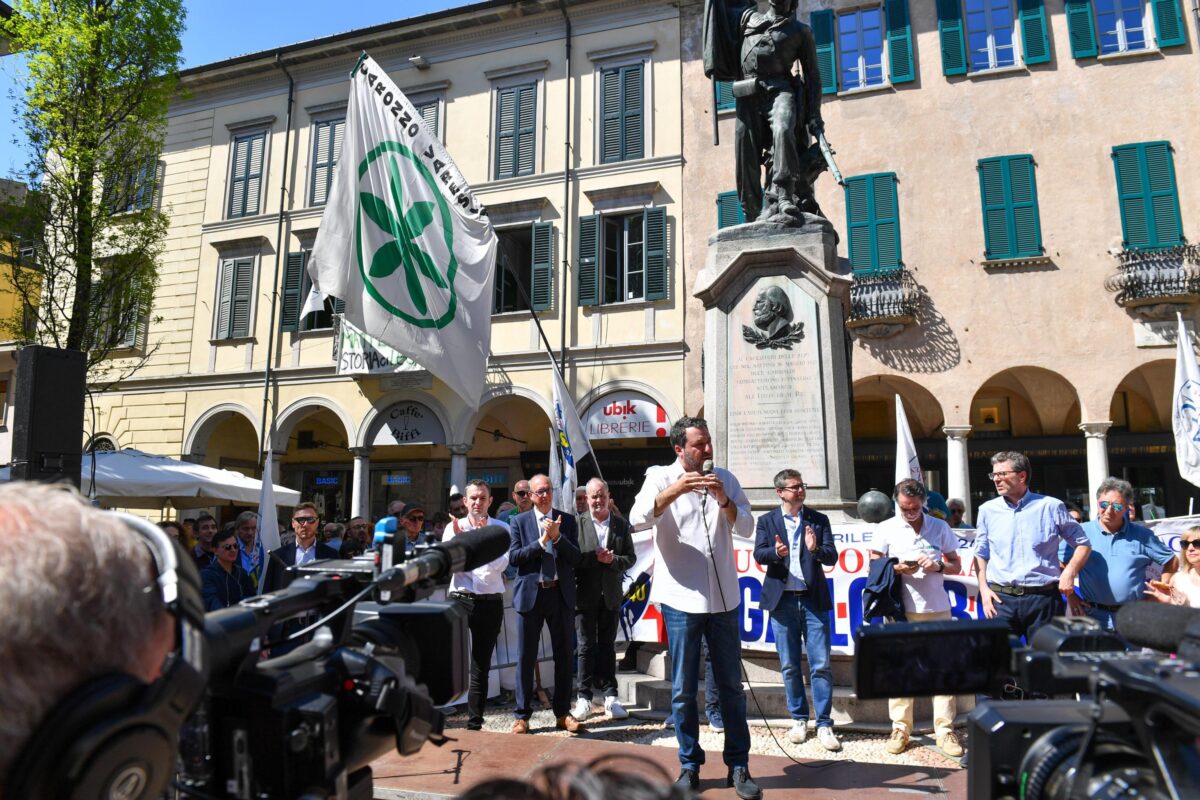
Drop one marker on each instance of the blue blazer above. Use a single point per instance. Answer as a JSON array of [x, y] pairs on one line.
[[525, 554], [771, 525]]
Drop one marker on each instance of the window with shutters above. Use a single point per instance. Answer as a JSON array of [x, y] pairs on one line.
[[723, 90], [430, 111], [1011, 224], [1113, 27], [125, 321], [981, 35], [860, 48], [1121, 25], [990, 36], [873, 224], [246, 174], [864, 48], [729, 210], [136, 191], [235, 297], [622, 257], [327, 148], [622, 113], [1147, 195], [516, 117], [296, 287], [514, 270]]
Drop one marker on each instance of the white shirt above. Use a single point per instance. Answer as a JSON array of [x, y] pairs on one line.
[[488, 579], [895, 538], [791, 524], [684, 576], [303, 555], [601, 529]]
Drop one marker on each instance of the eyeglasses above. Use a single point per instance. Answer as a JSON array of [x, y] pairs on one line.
[[228, 547], [799, 487], [542, 492], [521, 493], [1188, 544], [1105, 505], [997, 475], [304, 520]]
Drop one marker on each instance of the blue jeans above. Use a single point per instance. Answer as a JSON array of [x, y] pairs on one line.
[[721, 632], [796, 622]]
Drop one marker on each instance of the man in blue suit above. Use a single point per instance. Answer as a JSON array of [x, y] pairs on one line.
[[544, 548], [792, 542]]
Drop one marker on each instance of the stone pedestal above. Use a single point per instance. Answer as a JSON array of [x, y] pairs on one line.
[[776, 360]]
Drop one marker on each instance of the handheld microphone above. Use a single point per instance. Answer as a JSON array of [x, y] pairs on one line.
[[707, 467], [1165, 628]]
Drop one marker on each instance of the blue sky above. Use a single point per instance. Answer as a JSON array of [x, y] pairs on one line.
[[220, 29]]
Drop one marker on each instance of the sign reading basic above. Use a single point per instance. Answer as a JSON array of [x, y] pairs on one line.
[[625, 415]]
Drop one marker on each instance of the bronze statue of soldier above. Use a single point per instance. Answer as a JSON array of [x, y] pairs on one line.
[[776, 109]]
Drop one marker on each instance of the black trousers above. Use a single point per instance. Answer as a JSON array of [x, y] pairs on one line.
[[596, 636], [485, 617], [1028, 612], [551, 611]]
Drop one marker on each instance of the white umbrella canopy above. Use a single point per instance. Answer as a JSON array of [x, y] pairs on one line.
[[132, 479]]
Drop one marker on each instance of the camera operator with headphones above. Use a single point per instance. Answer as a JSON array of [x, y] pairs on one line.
[[101, 648]]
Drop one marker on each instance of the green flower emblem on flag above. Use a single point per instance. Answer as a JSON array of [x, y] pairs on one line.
[[404, 242]]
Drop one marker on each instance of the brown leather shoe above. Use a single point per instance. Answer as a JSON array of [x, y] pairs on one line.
[[520, 726], [569, 724]]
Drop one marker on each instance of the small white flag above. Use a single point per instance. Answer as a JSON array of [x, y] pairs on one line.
[[403, 241], [907, 465], [556, 474], [268, 518], [1185, 408]]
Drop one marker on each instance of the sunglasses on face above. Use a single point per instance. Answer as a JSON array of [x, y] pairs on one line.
[[304, 520], [521, 493], [1188, 544], [228, 547], [1105, 506]]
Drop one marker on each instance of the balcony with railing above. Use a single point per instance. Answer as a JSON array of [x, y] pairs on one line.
[[882, 303], [1154, 284]]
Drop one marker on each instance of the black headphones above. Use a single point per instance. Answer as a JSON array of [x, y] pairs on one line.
[[115, 737]]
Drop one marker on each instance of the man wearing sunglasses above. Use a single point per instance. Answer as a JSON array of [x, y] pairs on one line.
[[522, 497], [1115, 574], [305, 523], [412, 521], [1016, 550]]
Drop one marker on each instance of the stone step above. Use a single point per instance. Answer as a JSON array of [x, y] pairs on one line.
[[651, 697], [760, 667]]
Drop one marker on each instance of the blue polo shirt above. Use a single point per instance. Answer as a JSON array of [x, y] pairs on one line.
[[1020, 542], [1115, 573]]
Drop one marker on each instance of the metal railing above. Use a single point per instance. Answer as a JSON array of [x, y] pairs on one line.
[[888, 296], [1155, 276]]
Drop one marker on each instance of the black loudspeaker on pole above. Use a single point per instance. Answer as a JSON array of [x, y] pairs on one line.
[[47, 443]]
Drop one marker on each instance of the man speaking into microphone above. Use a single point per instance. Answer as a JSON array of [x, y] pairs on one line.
[[695, 510]]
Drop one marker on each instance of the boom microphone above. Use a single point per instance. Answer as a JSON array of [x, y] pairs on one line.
[[1166, 628], [707, 467]]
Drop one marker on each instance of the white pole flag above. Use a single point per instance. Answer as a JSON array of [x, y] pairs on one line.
[[403, 241], [907, 465], [1185, 408], [556, 474], [572, 441], [268, 519]]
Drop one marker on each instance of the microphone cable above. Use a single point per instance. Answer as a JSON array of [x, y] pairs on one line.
[[828, 762]]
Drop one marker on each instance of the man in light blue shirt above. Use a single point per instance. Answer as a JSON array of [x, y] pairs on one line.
[[1016, 550], [1115, 573]]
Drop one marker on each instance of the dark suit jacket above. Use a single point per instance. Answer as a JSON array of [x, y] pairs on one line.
[[771, 525], [278, 576], [599, 585], [525, 554]]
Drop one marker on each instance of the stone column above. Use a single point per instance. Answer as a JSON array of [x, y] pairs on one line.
[[958, 476], [1097, 458], [360, 489], [458, 466]]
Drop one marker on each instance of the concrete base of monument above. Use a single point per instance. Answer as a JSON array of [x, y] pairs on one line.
[[777, 361]]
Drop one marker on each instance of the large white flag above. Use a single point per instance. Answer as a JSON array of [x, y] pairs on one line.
[[907, 465], [572, 441], [1185, 408], [403, 242]]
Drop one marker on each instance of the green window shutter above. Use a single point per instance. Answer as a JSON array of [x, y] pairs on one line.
[[887, 222], [950, 31], [632, 99], [1164, 195], [589, 260], [610, 114], [621, 114], [826, 39], [1131, 197], [655, 227], [899, 37], [515, 118], [429, 113], [724, 94], [542, 282], [1035, 41], [246, 174], [997, 243], [293, 288], [327, 148], [1081, 28], [858, 224], [729, 210], [1026, 225], [1168, 23], [526, 114], [243, 282], [1148, 195], [224, 299]]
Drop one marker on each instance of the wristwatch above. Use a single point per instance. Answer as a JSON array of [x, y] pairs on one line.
[[726, 503]]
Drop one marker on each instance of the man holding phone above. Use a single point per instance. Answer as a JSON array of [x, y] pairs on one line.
[[926, 549]]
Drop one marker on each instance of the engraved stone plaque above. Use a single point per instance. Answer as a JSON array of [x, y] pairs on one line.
[[776, 414]]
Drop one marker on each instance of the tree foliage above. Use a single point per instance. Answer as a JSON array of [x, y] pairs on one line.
[[100, 76]]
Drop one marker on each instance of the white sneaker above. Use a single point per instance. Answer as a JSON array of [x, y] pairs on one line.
[[614, 709], [828, 739], [798, 732], [582, 709]]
